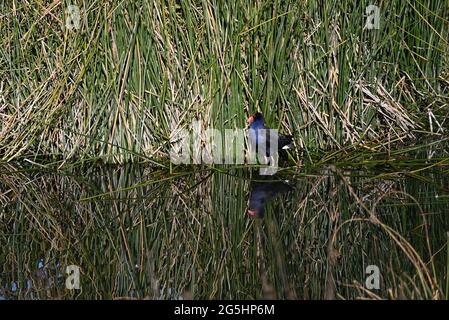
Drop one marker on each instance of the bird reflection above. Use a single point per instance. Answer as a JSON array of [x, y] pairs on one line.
[[263, 192]]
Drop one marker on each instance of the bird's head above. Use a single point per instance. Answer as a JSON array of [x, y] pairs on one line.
[[256, 117]]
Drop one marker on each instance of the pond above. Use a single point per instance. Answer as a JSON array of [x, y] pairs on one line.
[[198, 232]]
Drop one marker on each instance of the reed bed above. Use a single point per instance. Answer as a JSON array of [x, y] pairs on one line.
[[120, 86], [89, 115]]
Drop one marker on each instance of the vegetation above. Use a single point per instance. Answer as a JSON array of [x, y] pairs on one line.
[[89, 115], [119, 87]]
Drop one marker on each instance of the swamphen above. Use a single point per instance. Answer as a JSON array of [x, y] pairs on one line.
[[261, 193], [256, 137]]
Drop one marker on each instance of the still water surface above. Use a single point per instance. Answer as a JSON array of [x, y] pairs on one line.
[[223, 233]]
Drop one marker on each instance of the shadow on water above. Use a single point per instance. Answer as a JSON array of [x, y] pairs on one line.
[[143, 233]]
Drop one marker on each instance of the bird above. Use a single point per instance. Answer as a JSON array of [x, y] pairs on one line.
[[256, 137], [263, 192]]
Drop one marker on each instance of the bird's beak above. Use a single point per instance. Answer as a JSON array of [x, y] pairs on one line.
[[252, 213], [250, 119]]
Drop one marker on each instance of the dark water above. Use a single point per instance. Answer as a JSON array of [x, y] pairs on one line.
[[139, 232]]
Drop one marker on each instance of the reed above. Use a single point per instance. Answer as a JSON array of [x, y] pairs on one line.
[[118, 87]]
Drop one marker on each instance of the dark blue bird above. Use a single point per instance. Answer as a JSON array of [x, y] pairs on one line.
[[258, 137], [263, 192]]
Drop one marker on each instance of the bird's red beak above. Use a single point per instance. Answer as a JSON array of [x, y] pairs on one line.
[[250, 119], [252, 213]]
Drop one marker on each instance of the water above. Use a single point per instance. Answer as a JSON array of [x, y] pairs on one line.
[[139, 232]]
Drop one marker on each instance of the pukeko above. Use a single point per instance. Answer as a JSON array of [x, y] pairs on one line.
[[263, 192], [258, 137]]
